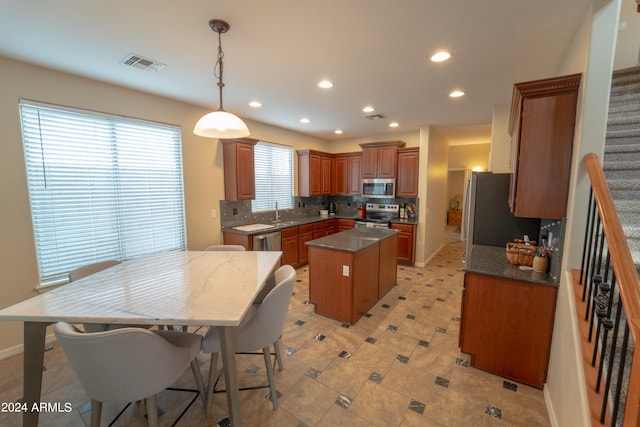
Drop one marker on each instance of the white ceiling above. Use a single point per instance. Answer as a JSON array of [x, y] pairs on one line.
[[375, 51]]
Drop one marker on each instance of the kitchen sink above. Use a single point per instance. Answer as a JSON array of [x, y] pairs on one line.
[[286, 223]]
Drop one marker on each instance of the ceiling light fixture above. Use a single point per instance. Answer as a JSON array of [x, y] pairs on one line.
[[440, 56], [220, 124], [393, 125], [255, 104], [304, 120], [456, 94], [338, 132], [325, 84], [368, 109]]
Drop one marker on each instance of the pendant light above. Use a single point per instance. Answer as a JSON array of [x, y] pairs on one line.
[[220, 124]]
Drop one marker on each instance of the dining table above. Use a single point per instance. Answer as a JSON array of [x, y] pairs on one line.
[[170, 289]]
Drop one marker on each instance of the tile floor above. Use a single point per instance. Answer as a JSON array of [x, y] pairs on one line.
[[399, 366]]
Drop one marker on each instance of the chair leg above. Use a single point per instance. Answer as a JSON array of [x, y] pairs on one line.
[[276, 347], [197, 375], [272, 382], [213, 367], [152, 410], [96, 413]]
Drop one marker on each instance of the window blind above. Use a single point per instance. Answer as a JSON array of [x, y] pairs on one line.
[[101, 187], [273, 166]]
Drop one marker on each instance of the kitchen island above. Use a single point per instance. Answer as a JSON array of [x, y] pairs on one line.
[[507, 316], [349, 272]]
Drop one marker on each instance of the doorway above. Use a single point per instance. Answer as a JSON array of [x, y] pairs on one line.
[[456, 180]]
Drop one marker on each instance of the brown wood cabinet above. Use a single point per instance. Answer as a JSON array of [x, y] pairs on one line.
[[406, 241], [543, 114], [345, 224], [454, 217], [355, 174], [408, 167], [331, 226], [314, 173], [239, 174], [380, 159], [305, 233], [506, 326], [290, 246], [346, 174], [245, 240]]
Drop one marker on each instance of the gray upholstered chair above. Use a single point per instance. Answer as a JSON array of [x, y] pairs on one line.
[[225, 248], [263, 328], [129, 364]]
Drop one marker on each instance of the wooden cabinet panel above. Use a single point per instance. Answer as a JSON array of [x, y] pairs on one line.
[[325, 175], [290, 246], [319, 229], [388, 266], [239, 173], [331, 226], [542, 128], [340, 176], [454, 217], [379, 159], [406, 242], [314, 173], [345, 224], [408, 168], [506, 326], [238, 239], [355, 175], [305, 234]]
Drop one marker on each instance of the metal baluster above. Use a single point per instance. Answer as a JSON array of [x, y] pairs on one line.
[[601, 312], [614, 340], [587, 237], [589, 289], [596, 288], [623, 358]]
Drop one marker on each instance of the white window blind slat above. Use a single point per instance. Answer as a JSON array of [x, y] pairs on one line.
[[101, 187], [273, 165]]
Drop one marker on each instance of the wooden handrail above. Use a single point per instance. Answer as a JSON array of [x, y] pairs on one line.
[[626, 276]]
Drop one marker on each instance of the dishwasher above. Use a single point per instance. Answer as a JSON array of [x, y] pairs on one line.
[[267, 241]]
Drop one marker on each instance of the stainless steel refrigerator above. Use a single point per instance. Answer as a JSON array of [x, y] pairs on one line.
[[487, 219]]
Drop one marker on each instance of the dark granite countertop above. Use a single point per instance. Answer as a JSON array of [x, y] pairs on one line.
[[492, 261], [353, 240]]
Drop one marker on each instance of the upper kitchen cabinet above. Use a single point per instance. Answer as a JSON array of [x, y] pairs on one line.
[[346, 174], [408, 166], [543, 114], [239, 175], [380, 159], [314, 173]]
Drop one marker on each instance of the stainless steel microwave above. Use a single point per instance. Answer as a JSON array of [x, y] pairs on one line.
[[378, 188]]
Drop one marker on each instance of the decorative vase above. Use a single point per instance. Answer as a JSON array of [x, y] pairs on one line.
[[540, 264]]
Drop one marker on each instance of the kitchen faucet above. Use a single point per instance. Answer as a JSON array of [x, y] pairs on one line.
[[277, 213]]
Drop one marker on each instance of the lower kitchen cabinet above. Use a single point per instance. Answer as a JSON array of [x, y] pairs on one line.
[[305, 234], [506, 326], [345, 224], [290, 246], [406, 241]]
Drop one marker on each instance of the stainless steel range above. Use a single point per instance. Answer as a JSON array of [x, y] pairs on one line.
[[378, 215]]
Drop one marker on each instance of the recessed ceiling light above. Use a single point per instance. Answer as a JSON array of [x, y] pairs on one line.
[[338, 132], [304, 120], [441, 56], [393, 125], [325, 84], [368, 109], [456, 94], [255, 104]]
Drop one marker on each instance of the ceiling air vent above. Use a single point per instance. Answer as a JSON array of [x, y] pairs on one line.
[[137, 61], [375, 117]]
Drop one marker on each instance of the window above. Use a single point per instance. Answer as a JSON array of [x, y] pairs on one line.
[[101, 187], [274, 177]]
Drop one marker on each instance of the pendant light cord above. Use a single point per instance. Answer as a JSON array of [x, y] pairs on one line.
[[218, 69]]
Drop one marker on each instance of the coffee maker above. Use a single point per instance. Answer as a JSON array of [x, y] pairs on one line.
[[333, 208]]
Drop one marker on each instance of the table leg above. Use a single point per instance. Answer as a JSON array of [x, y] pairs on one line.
[[34, 335], [228, 345]]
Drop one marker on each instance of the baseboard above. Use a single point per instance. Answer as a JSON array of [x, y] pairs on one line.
[[553, 420], [428, 260], [17, 349]]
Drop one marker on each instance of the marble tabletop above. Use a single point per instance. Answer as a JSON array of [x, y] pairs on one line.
[[352, 240], [171, 288]]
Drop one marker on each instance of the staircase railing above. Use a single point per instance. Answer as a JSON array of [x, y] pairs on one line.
[[607, 295]]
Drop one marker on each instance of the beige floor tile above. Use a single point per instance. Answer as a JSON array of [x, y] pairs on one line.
[[338, 416], [380, 405], [345, 377], [416, 384], [308, 400]]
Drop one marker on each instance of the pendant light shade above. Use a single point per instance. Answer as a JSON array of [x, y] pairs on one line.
[[220, 124]]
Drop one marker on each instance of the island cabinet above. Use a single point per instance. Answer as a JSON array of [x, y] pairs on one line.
[[349, 272], [380, 159], [543, 115], [506, 326], [314, 173], [406, 241], [239, 175], [408, 167]]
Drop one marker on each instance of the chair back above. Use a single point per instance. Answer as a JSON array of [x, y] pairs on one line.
[[90, 269], [125, 365], [266, 326], [234, 248]]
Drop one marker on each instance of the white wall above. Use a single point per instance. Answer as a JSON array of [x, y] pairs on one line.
[[565, 389], [500, 157]]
